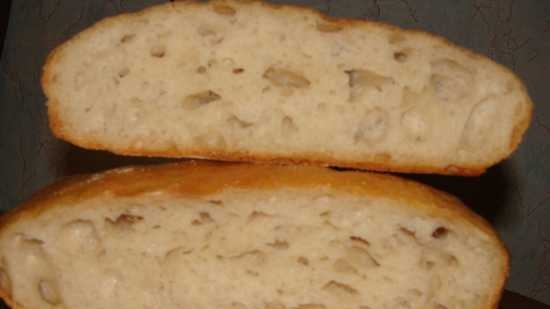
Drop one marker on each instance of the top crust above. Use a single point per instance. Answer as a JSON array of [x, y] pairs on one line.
[[377, 162], [196, 179]]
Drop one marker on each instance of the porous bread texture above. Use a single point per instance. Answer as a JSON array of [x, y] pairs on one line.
[[160, 238], [250, 81]]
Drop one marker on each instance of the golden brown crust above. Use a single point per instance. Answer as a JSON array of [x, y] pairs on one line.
[[375, 163], [197, 179]]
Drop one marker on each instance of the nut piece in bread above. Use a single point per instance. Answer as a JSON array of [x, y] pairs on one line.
[[204, 235]]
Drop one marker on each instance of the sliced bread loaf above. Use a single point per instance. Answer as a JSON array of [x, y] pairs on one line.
[[242, 80], [203, 236]]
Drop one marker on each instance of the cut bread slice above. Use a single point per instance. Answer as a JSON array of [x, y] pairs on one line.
[[203, 235], [234, 80]]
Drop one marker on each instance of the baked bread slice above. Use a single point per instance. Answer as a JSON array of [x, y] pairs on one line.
[[204, 235], [242, 80]]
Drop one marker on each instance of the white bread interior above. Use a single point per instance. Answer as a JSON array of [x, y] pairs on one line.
[[333, 241], [250, 81]]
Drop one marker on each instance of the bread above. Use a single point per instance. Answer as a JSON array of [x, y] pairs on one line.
[[203, 235], [242, 80]]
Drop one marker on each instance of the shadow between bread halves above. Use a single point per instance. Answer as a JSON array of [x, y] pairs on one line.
[[488, 195], [77, 160]]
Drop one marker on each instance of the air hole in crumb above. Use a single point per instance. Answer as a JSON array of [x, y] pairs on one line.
[[440, 232], [338, 287], [127, 38], [252, 273], [124, 220], [236, 122], [407, 232], [359, 240], [428, 265], [258, 214], [279, 244], [122, 73], [324, 214], [400, 56], [158, 51], [204, 217], [238, 71], [303, 260]]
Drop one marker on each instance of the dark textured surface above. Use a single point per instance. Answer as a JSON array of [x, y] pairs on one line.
[[514, 196]]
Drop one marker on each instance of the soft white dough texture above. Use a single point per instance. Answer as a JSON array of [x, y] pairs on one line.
[[229, 78], [285, 248]]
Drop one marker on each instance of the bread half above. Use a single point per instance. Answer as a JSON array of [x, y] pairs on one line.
[[241, 80], [246, 80], [203, 235]]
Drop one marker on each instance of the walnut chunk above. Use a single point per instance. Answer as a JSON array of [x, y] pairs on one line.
[[79, 236], [210, 35], [49, 292], [32, 250], [361, 258], [199, 99], [373, 127], [363, 81], [415, 125], [286, 78], [343, 266], [480, 126], [451, 81]]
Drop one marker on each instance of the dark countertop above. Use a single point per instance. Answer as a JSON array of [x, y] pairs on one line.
[[514, 195]]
